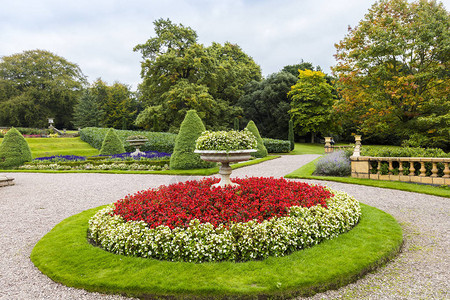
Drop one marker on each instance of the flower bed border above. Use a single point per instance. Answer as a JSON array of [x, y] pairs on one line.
[[201, 242]]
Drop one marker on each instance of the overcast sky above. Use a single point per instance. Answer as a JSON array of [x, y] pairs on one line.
[[99, 35]]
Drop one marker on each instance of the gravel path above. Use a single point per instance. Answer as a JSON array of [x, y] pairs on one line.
[[38, 202]]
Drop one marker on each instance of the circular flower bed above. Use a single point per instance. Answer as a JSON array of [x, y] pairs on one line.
[[192, 222]]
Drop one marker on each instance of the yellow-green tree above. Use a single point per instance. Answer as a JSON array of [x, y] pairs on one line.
[[311, 103], [393, 70]]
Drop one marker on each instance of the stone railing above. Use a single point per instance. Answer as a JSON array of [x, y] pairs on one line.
[[331, 148], [408, 169]]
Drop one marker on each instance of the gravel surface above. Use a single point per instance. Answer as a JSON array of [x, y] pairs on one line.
[[38, 202]]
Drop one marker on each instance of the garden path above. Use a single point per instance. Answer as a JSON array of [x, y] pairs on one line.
[[38, 202]]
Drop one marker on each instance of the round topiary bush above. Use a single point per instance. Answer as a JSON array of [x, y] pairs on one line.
[[262, 151], [193, 222], [112, 144], [14, 150], [183, 156]]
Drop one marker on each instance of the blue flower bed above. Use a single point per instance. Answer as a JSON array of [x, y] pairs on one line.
[[61, 157], [122, 156], [145, 154]]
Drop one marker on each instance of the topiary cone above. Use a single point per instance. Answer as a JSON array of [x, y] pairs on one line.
[[112, 144], [14, 150], [183, 156], [291, 134], [261, 149]]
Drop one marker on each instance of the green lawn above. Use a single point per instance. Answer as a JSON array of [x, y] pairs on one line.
[[307, 170], [59, 146], [303, 148], [65, 255]]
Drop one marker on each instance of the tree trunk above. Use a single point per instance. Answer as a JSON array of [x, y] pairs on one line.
[[313, 135]]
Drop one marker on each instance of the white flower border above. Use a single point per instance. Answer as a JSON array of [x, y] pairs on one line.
[[240, 242]]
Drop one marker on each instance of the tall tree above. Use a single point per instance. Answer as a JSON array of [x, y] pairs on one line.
[[266, 103], [393, 71], [36, 85], [311, 103], [88, 112], [179, 74], [117, 104]]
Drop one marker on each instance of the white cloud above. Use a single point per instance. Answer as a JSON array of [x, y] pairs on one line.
[[99, 35]]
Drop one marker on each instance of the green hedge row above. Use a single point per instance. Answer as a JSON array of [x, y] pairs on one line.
[[277, 146], [157, 141], [403, 152], [161, 141]]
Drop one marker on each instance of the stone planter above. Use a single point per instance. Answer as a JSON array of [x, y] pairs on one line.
[[137, 144], [225, 158]]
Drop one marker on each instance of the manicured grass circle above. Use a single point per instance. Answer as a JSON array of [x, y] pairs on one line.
[[65, 255]]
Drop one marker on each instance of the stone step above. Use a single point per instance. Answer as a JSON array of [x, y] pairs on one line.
[[5, 181]]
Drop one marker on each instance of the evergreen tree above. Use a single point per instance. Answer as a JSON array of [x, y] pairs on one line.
[[87, 112], [262, 151], [14, 150], [112, 144], [183, 156], [291, 134]]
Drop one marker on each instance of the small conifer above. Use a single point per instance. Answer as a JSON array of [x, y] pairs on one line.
[[14, 150], [262, 151], [112, 144]]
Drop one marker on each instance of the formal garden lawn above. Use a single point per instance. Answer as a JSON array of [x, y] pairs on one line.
[[41, 147]]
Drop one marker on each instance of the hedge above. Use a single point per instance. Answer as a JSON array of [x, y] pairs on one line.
[[277, 146], [157, 141]]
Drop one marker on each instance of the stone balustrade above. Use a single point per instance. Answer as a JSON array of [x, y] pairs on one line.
[[426, 170], [331, 148]]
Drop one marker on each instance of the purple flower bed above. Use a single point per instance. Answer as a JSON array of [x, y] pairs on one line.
[[62, 157], [146, 154]]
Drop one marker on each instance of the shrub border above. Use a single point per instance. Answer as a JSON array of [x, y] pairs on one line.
[[65, 255]]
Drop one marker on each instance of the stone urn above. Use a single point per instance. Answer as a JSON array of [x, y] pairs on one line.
[[225, 158], [137, 143]]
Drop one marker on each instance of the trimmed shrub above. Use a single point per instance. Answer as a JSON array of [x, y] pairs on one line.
[[157, 141], [333, 164], [111, 144], [236, 124], [403, 152], [262, 151], [277, 146], [183, 156], [291, 135], [14, 150]]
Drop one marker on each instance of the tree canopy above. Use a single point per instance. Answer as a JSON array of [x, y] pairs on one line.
[[393, 70], [266, 103], [36, 85], [311, 103], [180, 74]]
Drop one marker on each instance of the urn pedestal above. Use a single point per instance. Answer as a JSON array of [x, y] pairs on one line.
[[225, 158], [137, 144]]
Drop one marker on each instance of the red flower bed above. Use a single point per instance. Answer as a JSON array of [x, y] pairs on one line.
[[255, 199]]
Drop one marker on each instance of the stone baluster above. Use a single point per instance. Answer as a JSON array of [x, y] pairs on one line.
[[411, 169], [446, 170], [434, 170], [422, 169], [390, 167], [357, 150], [378, 167], [400, 167], [328, 148]]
